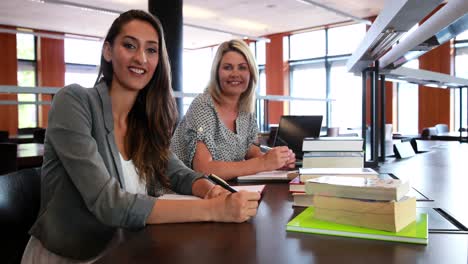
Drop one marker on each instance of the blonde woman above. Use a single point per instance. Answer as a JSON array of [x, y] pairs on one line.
[[219, 131]]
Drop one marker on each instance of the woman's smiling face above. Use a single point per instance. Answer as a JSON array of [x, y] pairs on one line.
[[134, 55], [233, 74]]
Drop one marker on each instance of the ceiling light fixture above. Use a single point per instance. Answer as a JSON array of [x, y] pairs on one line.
[[384, 42], [424, 77], [396, 18]]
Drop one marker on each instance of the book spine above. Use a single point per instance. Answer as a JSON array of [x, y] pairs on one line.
[[329, 145], [381, 194], [333, 162]]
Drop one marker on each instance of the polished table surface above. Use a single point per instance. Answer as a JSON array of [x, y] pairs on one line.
[[264, 239], [29, 155]]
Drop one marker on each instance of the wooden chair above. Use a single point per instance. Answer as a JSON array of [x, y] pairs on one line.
[[8, 152], [19, 206], [39, 135]]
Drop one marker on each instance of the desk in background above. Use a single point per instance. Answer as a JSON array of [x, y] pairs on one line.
[[30, 155], [22, 139], [450, 136], [265, 240]]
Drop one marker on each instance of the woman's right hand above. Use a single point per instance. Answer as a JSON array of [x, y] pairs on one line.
[[276, 158], [235, 207]]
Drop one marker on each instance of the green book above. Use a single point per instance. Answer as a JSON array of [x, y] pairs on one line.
[[415, 232]]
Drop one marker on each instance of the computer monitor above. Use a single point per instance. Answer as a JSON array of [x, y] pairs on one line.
[[293, 129]]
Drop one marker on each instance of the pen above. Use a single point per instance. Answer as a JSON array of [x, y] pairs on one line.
[[263, 148], [221, 183]]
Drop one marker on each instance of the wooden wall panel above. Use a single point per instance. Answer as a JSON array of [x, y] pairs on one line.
[[8, 76], [50, 70], [434, 103], [277, 76]]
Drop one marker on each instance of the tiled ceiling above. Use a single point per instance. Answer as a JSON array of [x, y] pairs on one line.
[[243, 17]]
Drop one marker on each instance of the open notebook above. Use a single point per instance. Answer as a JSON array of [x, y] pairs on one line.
[[249, 188]]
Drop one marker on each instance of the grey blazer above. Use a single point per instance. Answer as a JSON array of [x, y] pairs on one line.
[[82, 197]]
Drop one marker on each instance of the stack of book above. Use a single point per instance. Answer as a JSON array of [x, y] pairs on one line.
[[371, 203], [297, 185], [333, 152], [369, 208]]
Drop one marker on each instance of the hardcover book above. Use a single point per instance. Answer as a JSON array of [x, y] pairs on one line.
[[416, 232], [295, 185], [311, 173], [358, 188], [332, 144], [276, 175], [333, 159], [390, 216], [302, 199]]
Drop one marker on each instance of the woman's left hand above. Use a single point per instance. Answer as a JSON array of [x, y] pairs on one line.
[[215, 191]]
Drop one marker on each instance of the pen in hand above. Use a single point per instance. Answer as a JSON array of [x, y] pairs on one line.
[[263, 148], [221, 183]]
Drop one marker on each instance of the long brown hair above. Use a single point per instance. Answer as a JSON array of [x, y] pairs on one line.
[[153, 116]]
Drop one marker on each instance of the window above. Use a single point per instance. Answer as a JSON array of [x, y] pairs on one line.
[[317, 70], [461, 70], [25, 49], [196, 72], [258, 49], [308, 81], [346, 90], [407, 104], [260, 52], [82, 67], [345, 40], [307, 45]]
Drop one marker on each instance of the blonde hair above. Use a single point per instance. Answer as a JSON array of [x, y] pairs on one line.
[[247, 99]]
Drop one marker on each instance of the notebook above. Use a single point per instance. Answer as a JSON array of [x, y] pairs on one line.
[[293, 129], [176, 196], [276, 175], [416, 232]]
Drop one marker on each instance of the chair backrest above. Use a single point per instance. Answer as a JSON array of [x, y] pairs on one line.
[[19, 205], [442, 128], [27, 130], [427, 132], [4, 136], [8, 152], [39, 135]]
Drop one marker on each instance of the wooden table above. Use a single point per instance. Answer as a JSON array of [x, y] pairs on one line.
[[264, 240], [29, 155]]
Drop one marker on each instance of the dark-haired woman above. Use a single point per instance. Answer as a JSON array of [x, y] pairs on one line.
[[107, 157]]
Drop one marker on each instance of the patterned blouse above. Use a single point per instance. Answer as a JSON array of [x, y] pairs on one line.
[[202, 123]]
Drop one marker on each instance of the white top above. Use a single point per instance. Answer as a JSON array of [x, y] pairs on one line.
[[133, 184]]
